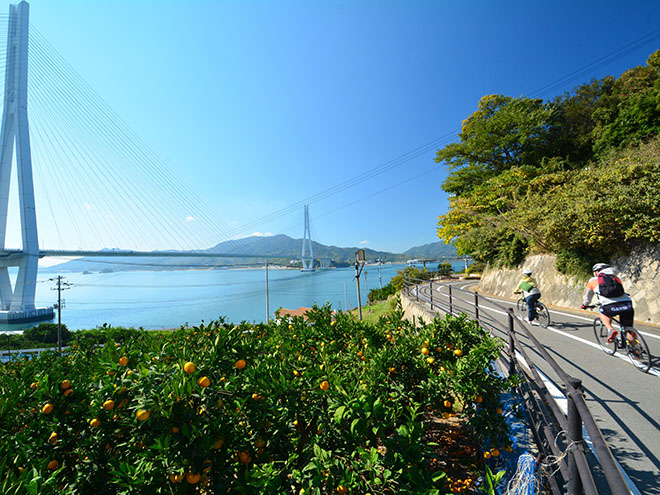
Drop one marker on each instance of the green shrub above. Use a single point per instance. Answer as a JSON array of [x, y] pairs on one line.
[[445, 269], [47, 333], [476, 267], [381, 294]]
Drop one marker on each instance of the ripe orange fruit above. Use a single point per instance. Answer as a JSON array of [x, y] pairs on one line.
[[486, 455], [204, 382], [53, 465], [176, 478], [244, 457], [342, 490], [495, 452], [95, 422], [259, 443], [175, 429], [458, 353], [333, 323], [143, 414], [189, 367], [447, 404], [193, 478], [430, 360], [240, 364], [478, 399], [425, 351], [65, 384], [324, 385], [34, 385], [255, 396], [68, 392], [498, 410], [123, 360], [109, 405], [52, 438], [47, 409], [218, 443]]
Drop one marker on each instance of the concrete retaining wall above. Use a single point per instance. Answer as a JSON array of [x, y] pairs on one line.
[[412, 308]]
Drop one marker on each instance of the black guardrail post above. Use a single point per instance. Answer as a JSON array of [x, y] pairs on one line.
[[512, 346], [431, 289], [574, 438], [476, 307], [451, 307]]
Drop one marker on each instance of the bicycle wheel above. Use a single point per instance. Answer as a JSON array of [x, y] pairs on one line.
[[522, 308], [638, 351], [543, 316], [601, 333]]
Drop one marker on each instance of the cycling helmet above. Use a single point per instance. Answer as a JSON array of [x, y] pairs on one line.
[[527, 271], [599, 266]]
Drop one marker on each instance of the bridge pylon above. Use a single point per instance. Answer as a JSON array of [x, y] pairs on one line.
[[307, 259], [17, 304]]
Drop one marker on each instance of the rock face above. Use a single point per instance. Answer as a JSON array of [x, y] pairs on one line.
[[639, 272]]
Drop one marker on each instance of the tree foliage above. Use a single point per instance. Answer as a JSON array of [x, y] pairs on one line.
[[577, 176]]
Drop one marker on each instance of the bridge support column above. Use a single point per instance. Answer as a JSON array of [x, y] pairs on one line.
[[6, 293], [26, 284], [18, 305]]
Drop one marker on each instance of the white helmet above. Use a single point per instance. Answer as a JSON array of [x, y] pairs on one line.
[[527, 271], [599, 266]]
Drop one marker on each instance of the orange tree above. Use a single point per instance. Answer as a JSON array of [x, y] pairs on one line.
[[317, 406]]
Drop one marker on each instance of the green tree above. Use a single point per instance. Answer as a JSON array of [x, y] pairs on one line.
[[504, 132]]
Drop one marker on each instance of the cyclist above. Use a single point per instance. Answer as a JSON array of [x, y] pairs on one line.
[[531, 293], [610, 304]]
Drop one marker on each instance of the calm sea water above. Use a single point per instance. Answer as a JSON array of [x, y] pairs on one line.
[[170, 299]]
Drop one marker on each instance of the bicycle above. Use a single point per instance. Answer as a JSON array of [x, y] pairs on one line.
[[543, 316], [636, 349]]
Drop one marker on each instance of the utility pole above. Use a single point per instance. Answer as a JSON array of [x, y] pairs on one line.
[[267, 296], [360, 259], [380, 276], [61, 285]]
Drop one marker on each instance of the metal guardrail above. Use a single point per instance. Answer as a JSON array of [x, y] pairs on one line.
[[574, 475]]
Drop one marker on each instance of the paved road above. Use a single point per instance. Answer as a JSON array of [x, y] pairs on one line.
[[624, 401]]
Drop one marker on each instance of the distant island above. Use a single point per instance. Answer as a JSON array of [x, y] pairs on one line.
[[281, 250]]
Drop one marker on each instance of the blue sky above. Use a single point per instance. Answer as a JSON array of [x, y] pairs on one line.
[[260, 104]]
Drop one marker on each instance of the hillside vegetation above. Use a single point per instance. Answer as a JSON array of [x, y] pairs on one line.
[[576, 176]]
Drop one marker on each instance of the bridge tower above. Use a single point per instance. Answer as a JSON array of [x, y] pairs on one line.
[[17, 304], [307, 260]]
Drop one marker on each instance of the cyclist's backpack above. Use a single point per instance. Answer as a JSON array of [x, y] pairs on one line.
[[609, 285]]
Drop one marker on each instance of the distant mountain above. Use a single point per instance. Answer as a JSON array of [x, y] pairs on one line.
[[281, 249], [284, 246], [432, 251]]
